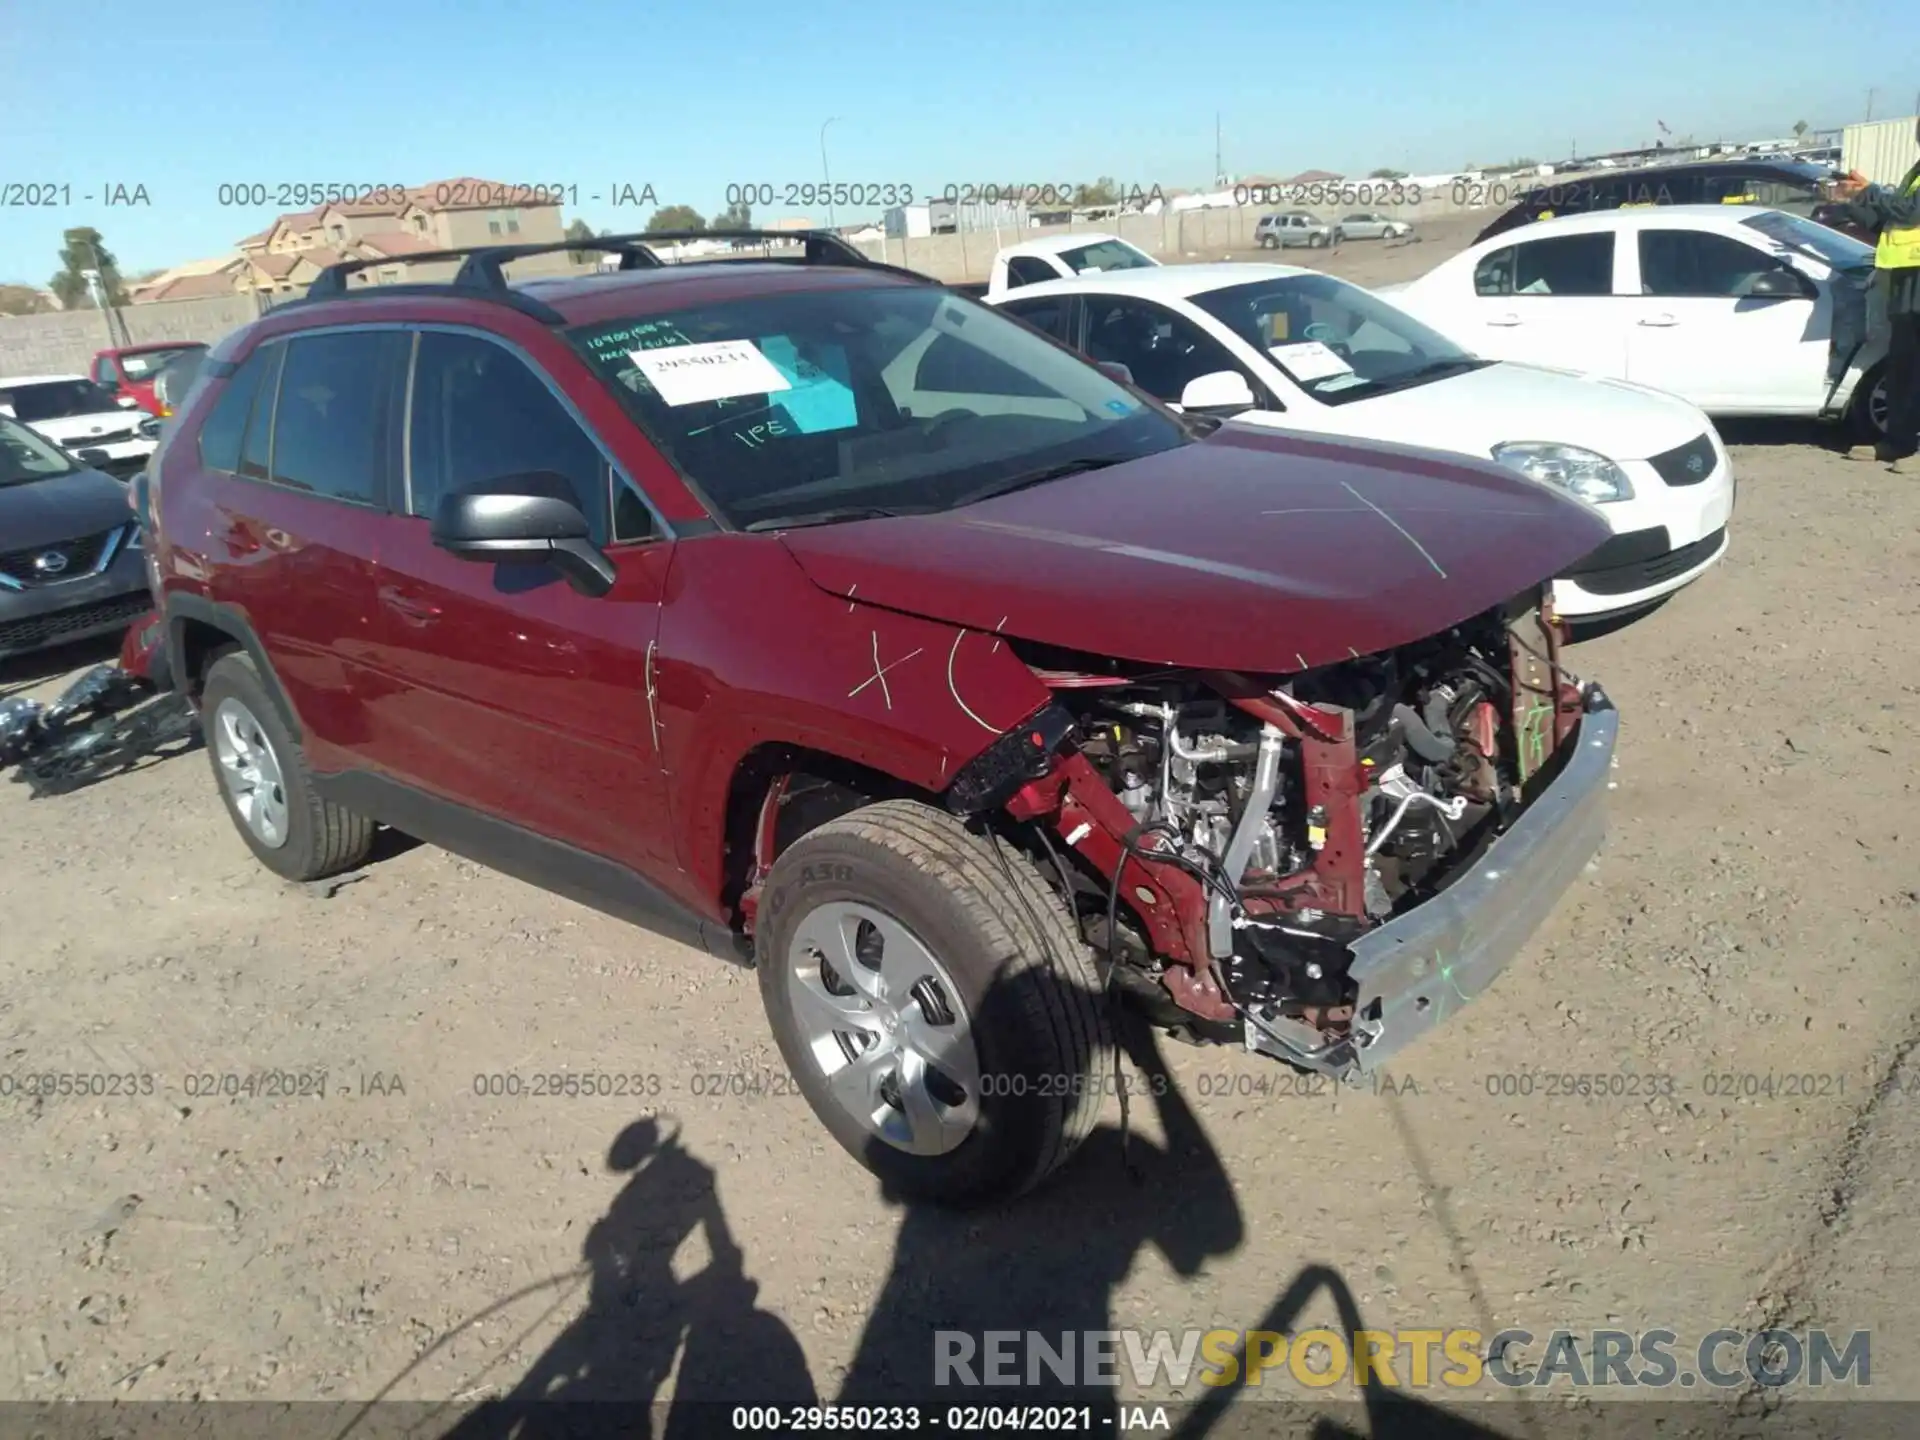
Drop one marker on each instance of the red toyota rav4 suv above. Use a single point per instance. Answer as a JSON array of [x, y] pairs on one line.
[[808, 611]]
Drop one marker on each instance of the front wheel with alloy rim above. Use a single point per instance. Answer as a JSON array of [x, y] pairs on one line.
[[264, 781], [934, 1002]]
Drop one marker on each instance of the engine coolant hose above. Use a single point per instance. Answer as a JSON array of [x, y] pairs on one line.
[[1420, 732]]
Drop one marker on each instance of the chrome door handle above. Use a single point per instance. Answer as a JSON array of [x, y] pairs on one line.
[[1505, 320], [1660, 321]]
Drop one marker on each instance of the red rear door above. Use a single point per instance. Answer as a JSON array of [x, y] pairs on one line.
[[297, 454]]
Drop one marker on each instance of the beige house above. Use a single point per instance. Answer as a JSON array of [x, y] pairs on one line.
[[192, 281], [285, 258]]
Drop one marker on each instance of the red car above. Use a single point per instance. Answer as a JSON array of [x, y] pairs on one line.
[[807, 612], [132, 369]]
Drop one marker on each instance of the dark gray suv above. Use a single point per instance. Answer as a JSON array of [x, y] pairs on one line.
[[71, 564]]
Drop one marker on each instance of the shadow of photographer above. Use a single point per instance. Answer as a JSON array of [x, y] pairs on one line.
[[1050, 1262]]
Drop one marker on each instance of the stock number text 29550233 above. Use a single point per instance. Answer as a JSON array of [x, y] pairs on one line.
[[1330, 192], [765, 194]]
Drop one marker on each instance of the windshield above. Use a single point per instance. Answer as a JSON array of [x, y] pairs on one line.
[[1829, 247], [1335, 341], [57, 400], [25, 456], [1107, 255], [899, 398], [145, 364]]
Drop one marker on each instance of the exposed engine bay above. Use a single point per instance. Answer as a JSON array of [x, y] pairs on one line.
[[1314, 809]]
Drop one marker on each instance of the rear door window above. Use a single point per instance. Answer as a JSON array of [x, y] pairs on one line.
[[330, 424]]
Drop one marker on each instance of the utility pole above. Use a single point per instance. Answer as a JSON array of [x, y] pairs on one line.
[[1870, 95], [1219, 171], [826, 174], [96, 279]]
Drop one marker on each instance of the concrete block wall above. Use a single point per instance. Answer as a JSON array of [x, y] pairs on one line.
[[64, 343]]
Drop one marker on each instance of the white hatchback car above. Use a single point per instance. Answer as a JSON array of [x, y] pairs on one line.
[[1732, 307], [1297, 349], [78, 415]]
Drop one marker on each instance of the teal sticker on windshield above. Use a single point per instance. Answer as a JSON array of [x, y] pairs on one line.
[[1123, 407], [821, 397]]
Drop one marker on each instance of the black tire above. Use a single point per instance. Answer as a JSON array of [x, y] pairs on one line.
[[322, 838], [1028, 981], [1269, 242], [1860, 427]]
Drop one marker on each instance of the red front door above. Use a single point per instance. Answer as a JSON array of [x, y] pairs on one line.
[[500, 687]]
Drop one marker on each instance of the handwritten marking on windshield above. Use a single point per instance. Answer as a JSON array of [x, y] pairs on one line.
[[880, 672]]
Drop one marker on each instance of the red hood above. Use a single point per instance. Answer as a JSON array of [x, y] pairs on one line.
[[1251, 550]]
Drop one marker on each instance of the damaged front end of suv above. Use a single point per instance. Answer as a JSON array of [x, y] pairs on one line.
[[1325, 865]]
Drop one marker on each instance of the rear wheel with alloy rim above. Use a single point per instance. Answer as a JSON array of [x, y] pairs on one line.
[[934, 1002], [247, 766], [264, 781]]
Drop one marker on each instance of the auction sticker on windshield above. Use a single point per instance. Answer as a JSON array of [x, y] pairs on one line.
[[717, 370], [1309, 360]]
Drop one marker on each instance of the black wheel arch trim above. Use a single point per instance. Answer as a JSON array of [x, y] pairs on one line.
[[230, 620]]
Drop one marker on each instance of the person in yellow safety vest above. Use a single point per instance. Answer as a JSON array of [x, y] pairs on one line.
[[1892, 213]]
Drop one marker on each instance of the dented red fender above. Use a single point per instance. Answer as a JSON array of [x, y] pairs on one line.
[[910, 697]]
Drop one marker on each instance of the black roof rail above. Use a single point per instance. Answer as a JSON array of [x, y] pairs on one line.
[[513, 299], [482, 276], [331, 283]]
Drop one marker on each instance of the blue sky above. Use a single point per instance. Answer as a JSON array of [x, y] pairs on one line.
[[182, 98]]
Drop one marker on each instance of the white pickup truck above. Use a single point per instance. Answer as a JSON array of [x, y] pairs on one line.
[[1058, 257]]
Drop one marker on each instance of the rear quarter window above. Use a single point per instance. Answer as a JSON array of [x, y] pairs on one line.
[[226, 422]]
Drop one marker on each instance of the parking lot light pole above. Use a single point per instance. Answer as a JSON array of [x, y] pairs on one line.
[[825, 173]]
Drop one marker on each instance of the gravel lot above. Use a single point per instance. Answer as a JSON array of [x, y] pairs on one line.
[[1754, 914]]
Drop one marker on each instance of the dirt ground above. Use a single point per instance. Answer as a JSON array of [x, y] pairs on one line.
[[1749, 934]]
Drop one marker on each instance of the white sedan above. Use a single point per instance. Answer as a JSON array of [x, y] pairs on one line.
[[1730, 307], [1300, 350], [80, 416]]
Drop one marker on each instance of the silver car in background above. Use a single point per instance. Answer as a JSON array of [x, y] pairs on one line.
[[1292, 228], [1371, 225]]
